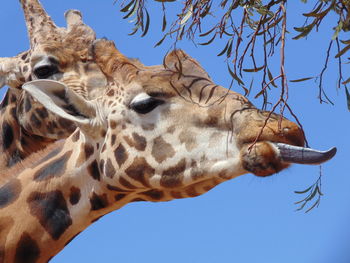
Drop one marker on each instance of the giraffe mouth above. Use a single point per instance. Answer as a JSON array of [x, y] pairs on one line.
[[302, 155], [266, 158]]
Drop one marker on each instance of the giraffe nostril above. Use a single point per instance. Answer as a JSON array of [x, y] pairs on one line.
[[286, 129]]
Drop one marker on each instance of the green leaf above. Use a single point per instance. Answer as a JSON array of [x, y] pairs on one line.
[[315, 11], [313, 206], [301, 207], [341, 52], [312, 195], [304, 30], [304, 191], [259, 94], [210, 40], [224, 50], [234, 76], [337, 29], [135, 29], [208, 32], [347, 97], [133, 10], [345, 42], [227, 34], [271, 78], [323, 13], [253, 69], [181, 32], [187, 15], [346, 81], [206, 11], [229, 50], [300, 80], [160, 41], [164, 23], [147, 24], [126, 8]]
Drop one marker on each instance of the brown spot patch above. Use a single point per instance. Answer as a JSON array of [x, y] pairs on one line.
[[42, 113], [9, 192], [74, 195], [24, 56], [155, 195], [171, 129], [102, 164], [126, 183], [27, 250], [211, 121], [76, 136], [86, 150], [176, 195], [25, 69], [113, 124], [120, 155], [119, 197], [50, 155], [162, 150], [104, 147], [94, 171], [140, 142], [27, 104], [148, 127], [89, 150], [191, 191], [113, 138], [117, 189], [98, 201], [7, 135], [188, 138], [109, 169], [172, 177], [137, 141], [140, 171], [35, 121], [110, 93], [51, 210], [54, 168]]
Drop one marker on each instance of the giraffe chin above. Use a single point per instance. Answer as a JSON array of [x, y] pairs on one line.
[[267, 158]]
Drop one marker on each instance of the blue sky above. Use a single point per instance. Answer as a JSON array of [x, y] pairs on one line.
[[248, 219]]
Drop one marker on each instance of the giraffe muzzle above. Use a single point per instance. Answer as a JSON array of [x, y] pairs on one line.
[[265, 158]]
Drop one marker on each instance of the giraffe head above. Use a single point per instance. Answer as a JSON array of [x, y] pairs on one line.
[[55, 53], [61, 54], [168, 131]]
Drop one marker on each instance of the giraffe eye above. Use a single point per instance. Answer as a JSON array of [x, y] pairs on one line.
[[45, 71], [146, 105]]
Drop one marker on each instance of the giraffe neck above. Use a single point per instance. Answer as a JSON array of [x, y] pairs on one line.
[[59, 194], [47, 205], [15, 143]]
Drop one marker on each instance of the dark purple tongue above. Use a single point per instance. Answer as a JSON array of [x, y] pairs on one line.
[[302, 155]]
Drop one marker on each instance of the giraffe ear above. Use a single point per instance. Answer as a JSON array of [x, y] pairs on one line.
[[59, 99], [178, 61]]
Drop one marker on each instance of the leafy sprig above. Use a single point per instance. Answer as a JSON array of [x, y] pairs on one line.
[[313, 194]]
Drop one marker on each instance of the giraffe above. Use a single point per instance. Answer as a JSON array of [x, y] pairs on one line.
[[134, 143], [55, 53]]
